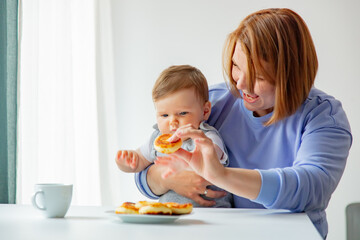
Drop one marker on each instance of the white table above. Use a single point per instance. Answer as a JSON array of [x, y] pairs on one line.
[[22, 222]]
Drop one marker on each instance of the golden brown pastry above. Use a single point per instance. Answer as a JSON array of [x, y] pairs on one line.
[[156, 209], [127, 208], [178, 208], [140, 204], [162, 145]]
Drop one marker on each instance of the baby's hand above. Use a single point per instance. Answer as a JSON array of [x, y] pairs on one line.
[[173, 165], [127, 160]]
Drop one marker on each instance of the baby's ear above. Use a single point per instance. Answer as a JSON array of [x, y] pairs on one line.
[[207, 110]]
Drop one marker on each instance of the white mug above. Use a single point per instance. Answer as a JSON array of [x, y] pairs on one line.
[[52, 199]]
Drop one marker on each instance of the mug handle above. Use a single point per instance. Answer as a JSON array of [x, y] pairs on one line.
[[34, 203]]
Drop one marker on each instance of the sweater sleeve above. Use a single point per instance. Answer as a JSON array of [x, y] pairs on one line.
[[318, 166], [141, 184]]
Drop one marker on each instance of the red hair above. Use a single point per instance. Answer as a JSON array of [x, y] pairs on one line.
[[281, 38]]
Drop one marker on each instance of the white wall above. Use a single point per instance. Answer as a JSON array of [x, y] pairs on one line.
[[149, 36]]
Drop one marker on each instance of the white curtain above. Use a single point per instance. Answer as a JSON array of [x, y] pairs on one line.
[[60, 94]]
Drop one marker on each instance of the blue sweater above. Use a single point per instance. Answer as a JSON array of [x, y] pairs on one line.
[[301, 158]]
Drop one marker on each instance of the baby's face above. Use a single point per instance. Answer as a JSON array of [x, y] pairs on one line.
[[178, 109]]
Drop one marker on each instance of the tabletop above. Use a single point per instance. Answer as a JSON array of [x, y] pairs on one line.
[[22, 222]]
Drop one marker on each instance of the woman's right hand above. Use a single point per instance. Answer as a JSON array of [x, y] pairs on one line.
[[185, 183]]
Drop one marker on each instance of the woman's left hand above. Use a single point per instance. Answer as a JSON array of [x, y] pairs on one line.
[[203, 160]]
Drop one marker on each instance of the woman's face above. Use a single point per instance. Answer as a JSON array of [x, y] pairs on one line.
[[262, 100]]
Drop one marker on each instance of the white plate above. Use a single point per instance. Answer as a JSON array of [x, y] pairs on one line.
[[142, 218]]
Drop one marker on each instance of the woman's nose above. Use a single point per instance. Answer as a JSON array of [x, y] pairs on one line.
[[241, 81]]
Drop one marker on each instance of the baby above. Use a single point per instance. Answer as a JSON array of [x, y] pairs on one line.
[[181, 97]]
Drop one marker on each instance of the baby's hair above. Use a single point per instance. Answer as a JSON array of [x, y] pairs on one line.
[[180, 77]]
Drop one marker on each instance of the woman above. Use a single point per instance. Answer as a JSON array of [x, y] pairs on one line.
[[287, 141]]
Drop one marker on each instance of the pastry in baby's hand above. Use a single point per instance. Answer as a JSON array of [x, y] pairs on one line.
[[161, 144], [127, 208]]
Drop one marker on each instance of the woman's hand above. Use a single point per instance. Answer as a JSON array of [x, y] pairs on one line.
[[203, 160], [185, 183]]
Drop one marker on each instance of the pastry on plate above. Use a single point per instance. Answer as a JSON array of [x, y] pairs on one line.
[[155, 209], [127, 208], [140, 204], [178, 208]]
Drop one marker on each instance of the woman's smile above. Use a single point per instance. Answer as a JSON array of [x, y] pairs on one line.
[[262, 100], [250, 98]]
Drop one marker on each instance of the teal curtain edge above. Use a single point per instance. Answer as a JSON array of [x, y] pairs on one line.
[[8, 99]]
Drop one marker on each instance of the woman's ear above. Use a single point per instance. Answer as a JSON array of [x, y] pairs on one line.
[[207, 110]]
